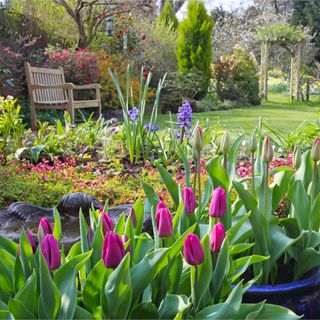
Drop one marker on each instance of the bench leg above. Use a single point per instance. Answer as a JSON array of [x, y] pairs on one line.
[[98, 97], [71, 112], [33, 118]]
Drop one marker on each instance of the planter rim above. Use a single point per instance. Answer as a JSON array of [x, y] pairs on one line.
[[314, 279]]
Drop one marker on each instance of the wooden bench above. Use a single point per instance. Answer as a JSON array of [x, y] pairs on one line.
[[48, 90]]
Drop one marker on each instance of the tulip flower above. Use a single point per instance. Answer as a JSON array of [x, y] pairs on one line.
[[112, 250], [315, 150], [226, 143], [217, 236], [218, 206], [31, 241], [252, 143], [164, 222], [45, 225], [107, 224], [133, 217], [189, 201], [50, 251], [161, 205], [192, 250], [198, 138], [296, 157], [267, 150]]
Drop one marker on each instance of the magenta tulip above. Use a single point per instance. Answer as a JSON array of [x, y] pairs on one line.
[[164, 222], [112, 250], [31, 241], [45, 225], [218, 204], [189, 201], [107, 224], [192, 250], [217, 236], [161, 205], [50, 251]]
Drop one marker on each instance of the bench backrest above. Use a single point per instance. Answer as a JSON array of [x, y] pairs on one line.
[[45, 76]]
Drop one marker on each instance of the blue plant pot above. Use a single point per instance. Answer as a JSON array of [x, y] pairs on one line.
[[302, 297]]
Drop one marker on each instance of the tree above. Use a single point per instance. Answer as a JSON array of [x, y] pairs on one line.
[[177, 4], [194, 42], [168, 17]]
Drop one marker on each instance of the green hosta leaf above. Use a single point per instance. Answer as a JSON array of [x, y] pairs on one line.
[[28, 294], [172, 186], [301, 204], [65, 281], [173, 304], [8, 245], [19, 310], [49, 303], [308, 259], [217, 173], [145, 271], [145, 310], [118, 291], [93, 286]]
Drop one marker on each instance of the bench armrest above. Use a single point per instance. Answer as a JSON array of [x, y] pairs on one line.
[[65, 86], [88, 86]]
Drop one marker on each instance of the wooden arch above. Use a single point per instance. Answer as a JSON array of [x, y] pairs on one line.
[[295, 50]]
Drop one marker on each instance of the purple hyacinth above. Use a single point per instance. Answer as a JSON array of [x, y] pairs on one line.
[[151, 127], [184, 116], [134, 114]]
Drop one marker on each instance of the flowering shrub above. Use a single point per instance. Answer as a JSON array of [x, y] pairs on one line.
[[80, 66]]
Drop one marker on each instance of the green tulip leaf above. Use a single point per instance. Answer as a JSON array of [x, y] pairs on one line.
[[19, 310], [139, 212], [217, 173], [308, 259], [144, 244], [81, 313], [173, 304], [57, 224], [6, 275], [145, 310], [232, 157], [9, 245], [6, 315]]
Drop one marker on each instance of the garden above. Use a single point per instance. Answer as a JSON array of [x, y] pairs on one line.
[[159, 159]]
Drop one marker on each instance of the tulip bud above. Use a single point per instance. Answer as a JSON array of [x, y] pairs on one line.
[[31, 241], [133, 217], [192, 250], [194, 154], [189, 201], [164, 222], [226, 143], [161, 205], [252, 143], [198, 138], [107, 224], [315, 150], [267, 150], [45, 225], [50, 251], [112, 250], [218, 204], [296, 157], [217, 236]]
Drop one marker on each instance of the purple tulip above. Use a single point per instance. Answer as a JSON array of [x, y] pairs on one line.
[[112, 250], [45, 225], [189, 201], [164, 222], [107, 224], [50, 251], [217, 236], [161, 205], [133, 217], [192, 250], [218, 204], [31, 241]]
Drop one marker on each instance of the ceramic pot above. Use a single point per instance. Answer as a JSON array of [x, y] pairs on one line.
[[302, 297]]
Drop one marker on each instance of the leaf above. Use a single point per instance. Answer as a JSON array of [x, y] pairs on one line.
[[186, 165], [217, 173], [237, 224], [172, 186], [84, 238], [19, 310], [145, 310], [118, 291], [6, 315], [315, 214], [144, 244], [26, 255], [270, 311], [173, 304], [57, 224], [138, 209], [65, 281], [308, 259], [9, 245], [151, 194], [19, 278], [81, 313], [119, 227], [49, 302], [6, 275], [232, 157]]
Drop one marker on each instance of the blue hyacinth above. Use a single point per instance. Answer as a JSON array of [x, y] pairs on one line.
[[152, 127], [134, 114], [184, 116]]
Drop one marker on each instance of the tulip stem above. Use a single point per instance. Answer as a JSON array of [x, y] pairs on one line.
[[199, 185], [252, 172], [225, 162], [195, 296], [195, 176], [266, 190], [313, 186]]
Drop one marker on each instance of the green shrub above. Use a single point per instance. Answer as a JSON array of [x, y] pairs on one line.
[[194, 42], [168, 17], [236, 77]]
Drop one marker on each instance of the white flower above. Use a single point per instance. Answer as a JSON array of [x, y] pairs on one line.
[[10, 98]]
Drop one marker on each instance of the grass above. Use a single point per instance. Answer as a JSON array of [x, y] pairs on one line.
[[278, 112]]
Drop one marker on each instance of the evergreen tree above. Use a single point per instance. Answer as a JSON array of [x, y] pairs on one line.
[[168, 17], [194, 42]]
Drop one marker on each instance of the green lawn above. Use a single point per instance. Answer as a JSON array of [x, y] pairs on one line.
[[277, 111]]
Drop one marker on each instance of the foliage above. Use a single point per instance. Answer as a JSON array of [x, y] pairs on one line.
[[281, 32], [179, 86], [80, 66], [277, 81], [11, 126], [236, 77], [194, 42], [168, 17]]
